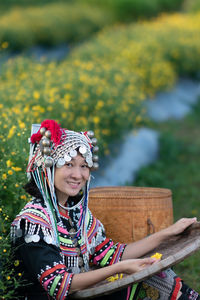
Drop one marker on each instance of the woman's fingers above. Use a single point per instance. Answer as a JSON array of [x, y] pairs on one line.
[[134, 265], [180, 226]]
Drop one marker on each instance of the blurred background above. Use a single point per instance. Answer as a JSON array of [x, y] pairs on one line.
[[127, 69]]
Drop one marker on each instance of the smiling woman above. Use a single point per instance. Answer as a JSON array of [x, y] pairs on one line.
[[58, 241], [71, 178]]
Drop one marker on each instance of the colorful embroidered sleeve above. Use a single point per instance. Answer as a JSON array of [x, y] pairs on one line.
[[43, 262], [105, 251]]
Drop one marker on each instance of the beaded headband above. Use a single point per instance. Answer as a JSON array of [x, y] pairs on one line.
[[53, 145]]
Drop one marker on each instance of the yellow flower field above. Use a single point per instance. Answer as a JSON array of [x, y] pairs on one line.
[[101, 86]]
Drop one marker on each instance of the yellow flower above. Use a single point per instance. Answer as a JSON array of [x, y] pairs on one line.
[[23, 197], [11, 131], [4, 250], [68, 86], [10, 172], [4, 176], [4, 45], [157, 255], [16, 185], [16, 169], [96, 120], [36, 95], [16, 263], [8, 277], [9, 163], [21, 124], [100, 104], [19, 274]]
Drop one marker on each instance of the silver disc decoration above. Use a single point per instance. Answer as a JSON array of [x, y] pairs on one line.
[[82, 149], [28, 238], [67, 158], [73, 153], [48, 162], [36, 238], [60, 163], [48, 239]]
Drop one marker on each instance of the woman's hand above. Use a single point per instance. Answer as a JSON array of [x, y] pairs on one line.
[[130, 266], [179, 226]]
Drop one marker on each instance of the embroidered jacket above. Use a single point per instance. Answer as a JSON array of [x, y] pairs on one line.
[[51, 267]]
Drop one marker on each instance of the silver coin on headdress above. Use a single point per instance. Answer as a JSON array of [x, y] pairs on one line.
[[60, 162], [67, 158], [89, 161], [82, 149], [73, 153]]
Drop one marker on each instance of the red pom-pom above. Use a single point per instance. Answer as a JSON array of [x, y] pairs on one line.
[[36, 137], [54, 127]]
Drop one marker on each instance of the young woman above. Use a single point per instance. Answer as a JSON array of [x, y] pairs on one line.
[[56, 238]]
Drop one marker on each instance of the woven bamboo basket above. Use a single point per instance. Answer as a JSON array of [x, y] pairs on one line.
[[131, 213]]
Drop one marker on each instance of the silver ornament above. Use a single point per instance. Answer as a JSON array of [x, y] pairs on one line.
[[80, 261], [95, 158], [48, 134], [48, 239], [48, 162], [96, 149], [28, 238], [90, 134], [73, 153], [35, 238], [89, 161], [94, 141], [60, 163], [95, 165], [45, 142], [42, 130], [67, 158], [82, 149], [46, 150], [19, 232], [75, 270]]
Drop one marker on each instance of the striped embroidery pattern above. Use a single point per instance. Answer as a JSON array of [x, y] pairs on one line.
[[118, 253], [33, 215], [107, 253], [65, 285], [57, 281]]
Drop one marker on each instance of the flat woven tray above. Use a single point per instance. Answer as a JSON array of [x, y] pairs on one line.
[[174, 250]]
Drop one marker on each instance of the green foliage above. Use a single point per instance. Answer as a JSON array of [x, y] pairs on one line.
[[101, 86], [128, 10], [10, 279], [177, 168], [50, 24], [31, 2]]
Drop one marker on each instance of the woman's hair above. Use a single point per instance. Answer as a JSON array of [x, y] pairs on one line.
[[32, 189]]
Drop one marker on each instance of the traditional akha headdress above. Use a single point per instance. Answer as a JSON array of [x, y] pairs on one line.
[[52, 146]]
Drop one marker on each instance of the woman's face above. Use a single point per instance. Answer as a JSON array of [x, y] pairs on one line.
[[70, 178]]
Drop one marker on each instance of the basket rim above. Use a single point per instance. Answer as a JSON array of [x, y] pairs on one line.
[[129, 192]]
